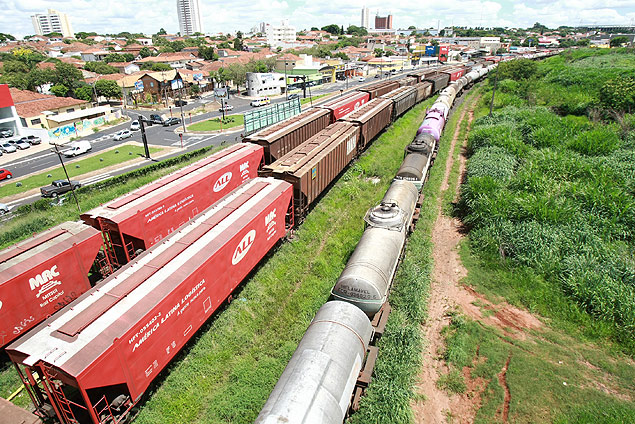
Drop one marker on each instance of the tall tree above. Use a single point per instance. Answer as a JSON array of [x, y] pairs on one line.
[[108, 89]]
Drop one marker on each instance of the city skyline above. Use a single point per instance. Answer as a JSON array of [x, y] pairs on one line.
[[217, 16]]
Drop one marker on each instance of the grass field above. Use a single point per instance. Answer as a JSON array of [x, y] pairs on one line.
[[214, 124], [77, 168]]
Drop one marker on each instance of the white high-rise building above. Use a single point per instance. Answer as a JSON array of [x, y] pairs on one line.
[[53, 21], [189, 16], [280, 34], [365, 18]]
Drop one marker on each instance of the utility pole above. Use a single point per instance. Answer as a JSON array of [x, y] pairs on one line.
[[181, 104], [491, 104], [144, 138], [59, 155]]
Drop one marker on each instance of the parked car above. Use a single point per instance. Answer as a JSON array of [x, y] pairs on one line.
[[4, 209], [20, 144], [294, 96], [135, 126], [78, 148], [361, 79], [122, 134], [32, 140], [226, 108], [180, 103], [263, 101], [59, 187], [7, 148], [5, 174], [377, 75], [6, 132], [171, 121], [156, 119]]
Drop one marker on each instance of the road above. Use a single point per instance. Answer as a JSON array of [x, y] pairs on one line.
[[164, 136]]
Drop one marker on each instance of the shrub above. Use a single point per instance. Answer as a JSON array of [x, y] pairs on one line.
[[599, 141]]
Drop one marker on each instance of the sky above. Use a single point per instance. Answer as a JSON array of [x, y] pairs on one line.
[[148, 16]]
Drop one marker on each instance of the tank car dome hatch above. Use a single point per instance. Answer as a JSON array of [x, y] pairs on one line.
[[386, 215]]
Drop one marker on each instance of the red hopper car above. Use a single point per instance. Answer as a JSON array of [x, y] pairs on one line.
[[97, 357], [343, 106], [44, 273], [138, 220]]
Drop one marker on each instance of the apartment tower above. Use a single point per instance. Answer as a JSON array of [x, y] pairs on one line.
[[53, 21], [365, 18], [189, 16]]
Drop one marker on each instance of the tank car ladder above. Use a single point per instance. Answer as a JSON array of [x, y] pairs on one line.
[[60, 401]]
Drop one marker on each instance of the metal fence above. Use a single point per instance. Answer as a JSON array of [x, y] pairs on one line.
[[261, 118]]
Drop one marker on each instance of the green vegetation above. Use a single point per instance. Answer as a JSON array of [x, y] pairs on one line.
[[552, 196], [214, 124], [581, 82], [125, 153], [551, 377]]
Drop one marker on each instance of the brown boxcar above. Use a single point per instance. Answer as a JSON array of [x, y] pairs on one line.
[[407, 81], [403, 98], [424, 90], [372, 118], [380, 88], [422, 74], [281, 138], [439, 82], [313, 165]]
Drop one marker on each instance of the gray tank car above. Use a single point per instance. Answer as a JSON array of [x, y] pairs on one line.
[[368, 274], [317, 384]]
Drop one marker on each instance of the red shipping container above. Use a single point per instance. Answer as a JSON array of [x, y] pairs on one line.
[[142, 218], [43, 274], [343, 106], [115, 339]]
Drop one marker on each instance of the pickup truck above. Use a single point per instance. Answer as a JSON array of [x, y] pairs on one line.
[[58, 187]]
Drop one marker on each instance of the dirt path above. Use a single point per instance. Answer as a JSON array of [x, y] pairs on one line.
[[439, 406], [448, 270]]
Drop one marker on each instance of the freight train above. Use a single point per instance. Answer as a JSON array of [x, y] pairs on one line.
[[319, 381], [93, 361]]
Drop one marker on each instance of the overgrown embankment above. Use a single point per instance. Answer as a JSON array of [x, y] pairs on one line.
[[548, 200], [554, 194]]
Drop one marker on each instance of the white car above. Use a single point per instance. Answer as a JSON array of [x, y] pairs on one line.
[[361, 79], [7, 148], [122, 134], [226, 107], [135, 126]]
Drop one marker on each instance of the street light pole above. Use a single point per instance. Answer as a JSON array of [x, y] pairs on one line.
[[59, 155], [286, 85]]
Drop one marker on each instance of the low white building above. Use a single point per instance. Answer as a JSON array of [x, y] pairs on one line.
[[264, 85], [282, 33]]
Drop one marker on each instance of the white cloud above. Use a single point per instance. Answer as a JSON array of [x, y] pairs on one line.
[[148, 16]]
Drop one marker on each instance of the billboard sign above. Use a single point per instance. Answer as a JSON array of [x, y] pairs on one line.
[[220, 92], [176, 84], [198, 77], [138, 85]]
